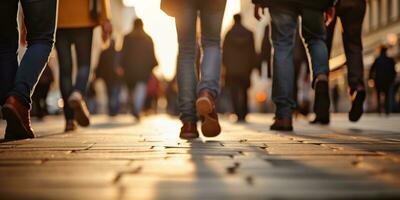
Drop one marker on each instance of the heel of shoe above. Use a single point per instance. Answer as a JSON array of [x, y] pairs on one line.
[[204, 106]]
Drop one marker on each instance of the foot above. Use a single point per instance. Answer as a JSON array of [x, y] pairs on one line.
[[189, 131], [70, 126], [18, 119], [81, 112], [282, 124], [357, 102], [206, 108], [322, 103]]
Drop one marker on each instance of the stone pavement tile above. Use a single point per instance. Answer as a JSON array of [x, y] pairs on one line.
[[40, 192], [147, 187], [11, 162]]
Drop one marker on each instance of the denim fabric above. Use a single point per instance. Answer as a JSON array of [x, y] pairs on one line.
[[138, 92], [189, 83], [81, 38], [113, 94], [284, 24], [40, 21]]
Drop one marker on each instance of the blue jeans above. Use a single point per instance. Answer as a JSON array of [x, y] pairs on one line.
[[284, 23], [40, 21], [138, 95], [113, 93], [82, 39], [211, 13]]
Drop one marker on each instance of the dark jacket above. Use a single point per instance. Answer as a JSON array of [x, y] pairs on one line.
[[138, 57], [106, 69], [383, 72], [312, 4], [239, 54]]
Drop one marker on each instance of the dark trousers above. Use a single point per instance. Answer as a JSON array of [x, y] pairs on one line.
[[81, 38], [39, 97], [40, 22], [386, 100], [351, 16], [113, 93], [239, 100]]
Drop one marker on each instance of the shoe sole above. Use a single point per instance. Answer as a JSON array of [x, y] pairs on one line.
[[281, 129], [210, 126], [322, 108], [357, 109], [189, 136], [15, 128], [81, 114]]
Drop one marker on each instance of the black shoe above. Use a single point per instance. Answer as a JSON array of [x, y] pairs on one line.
[[322, 103], [283, 124], [357, 102], [320, 121]]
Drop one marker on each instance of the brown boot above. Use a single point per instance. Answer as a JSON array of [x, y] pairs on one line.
[[206, 108], [18, 119], [189, 131], [283, 124], [70, 126], [81, 112]]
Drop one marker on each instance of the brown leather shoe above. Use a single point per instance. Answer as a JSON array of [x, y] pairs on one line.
[[206, 108], [18, 119], [70, 126], [81, 112], [283, 124], [189, 131]]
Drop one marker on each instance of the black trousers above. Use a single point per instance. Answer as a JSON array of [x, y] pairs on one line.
[[39, 104], [386, 100], [351, 14], [239, 99]]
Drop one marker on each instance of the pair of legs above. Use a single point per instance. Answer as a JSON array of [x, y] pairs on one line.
[[113, 92], [138, 93], [18, 81], [386, 99], [81, 38], [284, 24], [40, 22], [240, 99], [211, 13]]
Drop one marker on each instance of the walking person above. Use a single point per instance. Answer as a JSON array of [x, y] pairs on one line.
[[284, 15], [138, 61], [39, 97], [108, 70], [383, 73], [197, 94], [351, 14], [18, 81], [76, 21], [239, 58]]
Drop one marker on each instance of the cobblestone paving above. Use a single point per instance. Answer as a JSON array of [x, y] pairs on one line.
[[118, 159]]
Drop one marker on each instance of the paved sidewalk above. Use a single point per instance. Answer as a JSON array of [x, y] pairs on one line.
[[117, 159]]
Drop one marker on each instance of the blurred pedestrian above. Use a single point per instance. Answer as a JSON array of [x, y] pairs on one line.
[[198, 94], [336, 97], [351, 14], [383, 73], [76, 21], [138, 60], [108, 70], [42, 88], [284, 14], [240, 58], [266, 50], [19, 80]]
